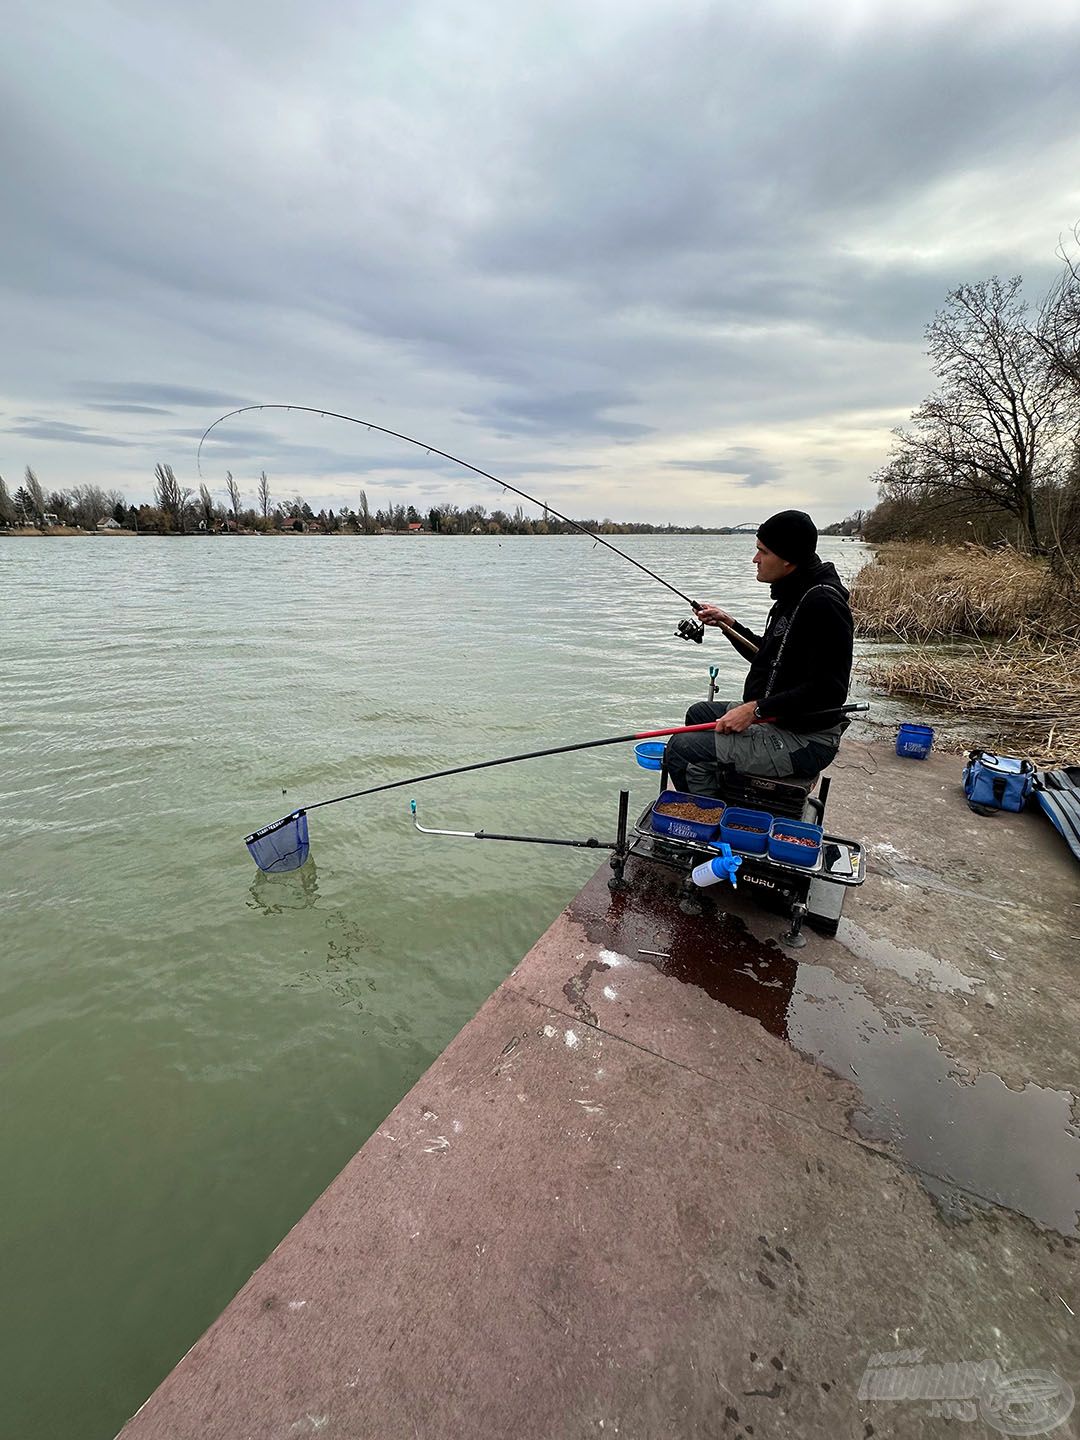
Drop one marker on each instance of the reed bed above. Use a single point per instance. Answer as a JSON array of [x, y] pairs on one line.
[[930, 592], [1020, 695], [1015, 683]]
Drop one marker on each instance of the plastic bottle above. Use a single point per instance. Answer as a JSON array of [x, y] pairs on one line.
[[722, 867]]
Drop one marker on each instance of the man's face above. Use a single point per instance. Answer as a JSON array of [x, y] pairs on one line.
[[769, 566]]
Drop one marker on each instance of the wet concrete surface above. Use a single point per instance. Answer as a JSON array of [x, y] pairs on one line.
[[676, 1180], [968, 1136]]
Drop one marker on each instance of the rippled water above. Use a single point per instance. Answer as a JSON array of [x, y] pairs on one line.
[[190, 1054]]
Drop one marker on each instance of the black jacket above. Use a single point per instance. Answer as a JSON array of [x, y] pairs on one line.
[[807, 672]]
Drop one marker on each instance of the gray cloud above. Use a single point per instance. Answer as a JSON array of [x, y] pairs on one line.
[[119, 409], [131, 393], [650, 234], [750, 467], [58, 430], [573, 412]]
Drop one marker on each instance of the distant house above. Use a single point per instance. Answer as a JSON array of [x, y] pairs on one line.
[[49, 519], [107, 524], [292, 522], [415, 526]]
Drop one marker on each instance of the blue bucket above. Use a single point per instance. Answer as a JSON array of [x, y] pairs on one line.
[[650, 754], [914, 742]]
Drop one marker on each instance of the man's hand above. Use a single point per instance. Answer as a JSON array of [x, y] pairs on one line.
[[713, 615], [734, 722]]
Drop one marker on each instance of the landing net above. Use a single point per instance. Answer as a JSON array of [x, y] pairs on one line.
[[281, 846]]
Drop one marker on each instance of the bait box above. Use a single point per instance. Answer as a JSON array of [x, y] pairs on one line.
[[760, 823], [806, 855], [680, 829]]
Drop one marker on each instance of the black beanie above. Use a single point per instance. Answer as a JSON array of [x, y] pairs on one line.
[[792, 535]]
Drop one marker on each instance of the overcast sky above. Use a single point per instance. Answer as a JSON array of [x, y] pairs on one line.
[[658, 260]]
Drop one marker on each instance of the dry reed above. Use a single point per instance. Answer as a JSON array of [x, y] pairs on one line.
[[1022, 692], [1013, 693], [928, 592]]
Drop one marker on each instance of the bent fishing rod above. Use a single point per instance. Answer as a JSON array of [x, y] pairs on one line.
[[688, 629]]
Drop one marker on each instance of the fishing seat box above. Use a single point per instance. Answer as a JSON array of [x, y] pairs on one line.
[[787, 797]]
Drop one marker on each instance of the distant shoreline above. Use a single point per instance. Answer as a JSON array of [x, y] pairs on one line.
[[71, 532]]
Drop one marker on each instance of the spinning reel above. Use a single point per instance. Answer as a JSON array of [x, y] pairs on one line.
[[691, 630]]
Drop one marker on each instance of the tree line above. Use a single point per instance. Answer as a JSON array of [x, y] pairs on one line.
[[179, 509], [993, 453]]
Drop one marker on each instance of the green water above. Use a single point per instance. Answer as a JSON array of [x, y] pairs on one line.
[[188, 1054]]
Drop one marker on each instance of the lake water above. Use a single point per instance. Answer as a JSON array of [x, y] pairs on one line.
[[189, 1054]]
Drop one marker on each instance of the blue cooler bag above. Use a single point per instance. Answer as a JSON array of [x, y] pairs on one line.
[[997, 782]]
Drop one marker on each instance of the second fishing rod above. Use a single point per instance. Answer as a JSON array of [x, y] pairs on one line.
[[688, 629]]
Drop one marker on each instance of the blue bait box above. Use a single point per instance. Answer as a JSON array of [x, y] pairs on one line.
[[650, 754], [754, 840], [914, 742], [780, 849], [680, 829]]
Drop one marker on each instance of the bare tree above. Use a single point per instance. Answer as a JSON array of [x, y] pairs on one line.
[[996, 428], [7, 505], [166, 489], [366, 522], [264, 494], [233, 491], [1059, 321], [58, 502], [1060, 334], [171, 496], [206, 506], [88, 504], [33, 488], [449, 519]]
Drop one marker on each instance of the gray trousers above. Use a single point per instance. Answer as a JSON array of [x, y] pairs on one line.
[[696, 763]]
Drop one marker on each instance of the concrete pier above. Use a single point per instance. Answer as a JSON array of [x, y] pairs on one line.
[[675, 1181]]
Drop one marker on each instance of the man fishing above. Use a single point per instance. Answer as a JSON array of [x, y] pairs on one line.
[[788, 722]]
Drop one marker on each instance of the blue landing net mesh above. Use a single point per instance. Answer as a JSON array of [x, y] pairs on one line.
[[281, 846]]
